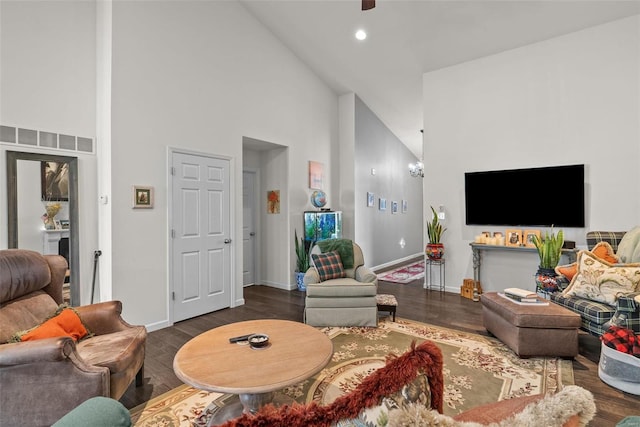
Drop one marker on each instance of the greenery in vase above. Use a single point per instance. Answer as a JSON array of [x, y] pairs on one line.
[[434, 228], [302, 257], [549, 248]]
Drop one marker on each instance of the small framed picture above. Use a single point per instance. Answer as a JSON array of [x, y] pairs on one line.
[[142, 197], [404, 206], [370, 199], [394, 207], [382, 204], [64, 224], [527, 239], [514, 238], [55, 181], [316, 175]]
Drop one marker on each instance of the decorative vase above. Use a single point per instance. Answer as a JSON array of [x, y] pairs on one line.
[[434, 251], [300, 281], [52, 211], [546, 281]]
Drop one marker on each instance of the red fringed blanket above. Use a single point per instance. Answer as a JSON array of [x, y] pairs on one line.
[[399, 371]]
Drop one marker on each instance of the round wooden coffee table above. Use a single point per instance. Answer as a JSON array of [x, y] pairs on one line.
[[296, 351]]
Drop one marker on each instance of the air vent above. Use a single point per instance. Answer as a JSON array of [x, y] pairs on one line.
[[45, 139]]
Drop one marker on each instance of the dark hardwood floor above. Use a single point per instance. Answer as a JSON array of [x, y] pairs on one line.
[[415, 303]]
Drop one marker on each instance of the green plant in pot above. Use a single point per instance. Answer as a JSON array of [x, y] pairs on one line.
[[435, 248], [549, 250], [302, 261]]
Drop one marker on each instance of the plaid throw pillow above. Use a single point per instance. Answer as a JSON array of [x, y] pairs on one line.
[[622, 340], [329, 265]]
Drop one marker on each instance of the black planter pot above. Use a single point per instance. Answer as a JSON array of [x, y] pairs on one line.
[[546, 280]]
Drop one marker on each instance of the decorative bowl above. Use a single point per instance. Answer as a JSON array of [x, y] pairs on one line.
[[258, 340]]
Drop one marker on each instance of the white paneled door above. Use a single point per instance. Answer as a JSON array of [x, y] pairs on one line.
[[201, 235]]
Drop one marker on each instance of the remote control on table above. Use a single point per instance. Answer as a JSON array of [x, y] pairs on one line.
[[240, 338]]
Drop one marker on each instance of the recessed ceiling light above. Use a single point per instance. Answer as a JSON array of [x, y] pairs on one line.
[[361, 35]]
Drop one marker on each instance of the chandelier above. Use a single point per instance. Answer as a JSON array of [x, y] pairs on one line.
[[416, 169]]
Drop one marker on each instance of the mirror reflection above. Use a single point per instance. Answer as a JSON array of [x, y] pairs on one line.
[[43, 210]]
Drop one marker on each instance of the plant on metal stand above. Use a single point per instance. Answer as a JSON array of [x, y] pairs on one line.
[[434, 249]]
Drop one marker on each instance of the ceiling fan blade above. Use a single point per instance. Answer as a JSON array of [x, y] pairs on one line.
[[368, 4]]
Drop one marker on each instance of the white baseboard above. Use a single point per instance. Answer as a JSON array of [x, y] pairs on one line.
[[396, 261], [285, 286]]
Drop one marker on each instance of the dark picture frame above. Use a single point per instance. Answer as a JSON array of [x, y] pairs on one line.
[[54, 178], [142, 197]]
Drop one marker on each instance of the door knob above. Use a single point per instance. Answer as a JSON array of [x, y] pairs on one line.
[[253, 233], [227, 240]]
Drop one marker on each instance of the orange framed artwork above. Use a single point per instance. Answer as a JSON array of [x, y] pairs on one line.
[[273, 201], [527, 238], [514, 237]]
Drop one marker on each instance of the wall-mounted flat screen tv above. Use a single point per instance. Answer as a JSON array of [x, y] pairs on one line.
[[543, 197]]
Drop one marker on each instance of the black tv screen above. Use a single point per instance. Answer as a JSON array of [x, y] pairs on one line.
[[543, 197]]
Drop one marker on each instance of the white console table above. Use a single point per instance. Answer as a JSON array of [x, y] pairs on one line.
[[50, 240], [477, 249]]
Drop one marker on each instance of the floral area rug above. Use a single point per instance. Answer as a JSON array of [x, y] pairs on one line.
[[477, 370], [404, 274]]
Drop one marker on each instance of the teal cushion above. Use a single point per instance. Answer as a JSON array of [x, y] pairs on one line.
[[631, 421], [629, 247], [97, 411]]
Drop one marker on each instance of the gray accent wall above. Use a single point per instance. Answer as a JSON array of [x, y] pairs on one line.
[[385, 237]]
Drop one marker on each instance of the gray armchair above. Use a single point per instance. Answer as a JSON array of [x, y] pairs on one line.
[[345, 301], [44, 379]]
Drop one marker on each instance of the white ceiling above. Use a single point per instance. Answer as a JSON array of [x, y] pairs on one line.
[[408, 38]]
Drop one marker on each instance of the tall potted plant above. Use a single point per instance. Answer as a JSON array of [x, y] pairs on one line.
[[435, 248], [549, 250], [302, 261]]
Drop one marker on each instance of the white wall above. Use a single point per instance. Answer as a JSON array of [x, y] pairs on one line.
[[571, 99], [47, 83], [201, 76]]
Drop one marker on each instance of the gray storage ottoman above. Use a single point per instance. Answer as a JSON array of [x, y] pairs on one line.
[[531, 330]]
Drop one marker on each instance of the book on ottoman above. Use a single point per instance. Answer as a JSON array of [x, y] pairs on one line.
[[521, 295]]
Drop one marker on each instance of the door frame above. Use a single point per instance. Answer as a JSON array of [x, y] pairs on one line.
[[256, 222], [232, 223], [12, 158]]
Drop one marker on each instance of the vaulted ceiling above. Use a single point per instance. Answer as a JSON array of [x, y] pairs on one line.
[[408, 38]]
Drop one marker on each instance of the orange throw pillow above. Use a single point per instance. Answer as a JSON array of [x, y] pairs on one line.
[[65, 324], [602, 250]]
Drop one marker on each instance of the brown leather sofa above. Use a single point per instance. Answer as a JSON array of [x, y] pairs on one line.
[[42, 380]]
